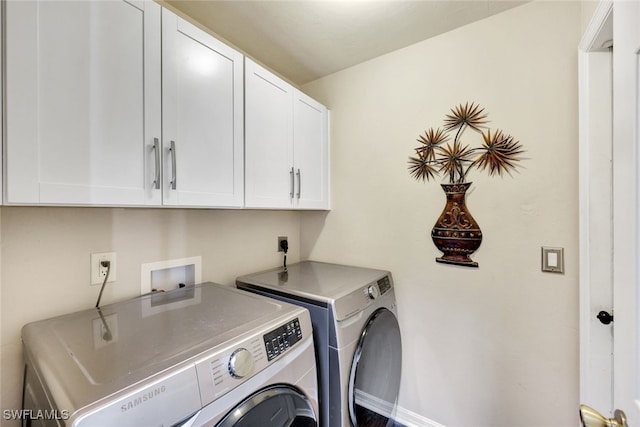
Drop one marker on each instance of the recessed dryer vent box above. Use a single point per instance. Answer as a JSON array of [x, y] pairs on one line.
[[168, 275]]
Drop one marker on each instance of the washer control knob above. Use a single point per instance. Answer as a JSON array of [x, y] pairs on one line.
[[372, 292], [240, 363]]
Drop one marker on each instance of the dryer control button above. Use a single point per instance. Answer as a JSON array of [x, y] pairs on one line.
[[240, 363], [372, 292]]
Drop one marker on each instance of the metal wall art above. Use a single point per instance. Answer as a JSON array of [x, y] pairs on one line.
[[456, 234]]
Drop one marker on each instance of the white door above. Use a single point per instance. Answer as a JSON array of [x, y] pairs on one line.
[[626, 219], [270, 176], [310, 153], [615, 386], [202, 98], [82, 107]]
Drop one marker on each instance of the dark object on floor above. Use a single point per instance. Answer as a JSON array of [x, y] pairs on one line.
[[367, 418]]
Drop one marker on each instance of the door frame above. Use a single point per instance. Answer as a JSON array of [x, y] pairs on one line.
[[625, 224], [596, 386]]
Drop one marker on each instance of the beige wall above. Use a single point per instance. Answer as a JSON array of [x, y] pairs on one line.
[[498, 345], [45, 258]]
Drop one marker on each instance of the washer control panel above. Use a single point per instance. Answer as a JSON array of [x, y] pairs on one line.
[[281, 339], [361, 298], [228, 366], [384, 285], [223, 371]]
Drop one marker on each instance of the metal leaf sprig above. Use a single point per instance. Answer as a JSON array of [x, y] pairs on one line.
[[436, 154]]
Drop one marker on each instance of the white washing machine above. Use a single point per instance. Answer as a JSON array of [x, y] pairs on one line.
[[205, 355], [356, 332]]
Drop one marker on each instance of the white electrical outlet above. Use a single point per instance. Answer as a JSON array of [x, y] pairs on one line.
[[98, 271]]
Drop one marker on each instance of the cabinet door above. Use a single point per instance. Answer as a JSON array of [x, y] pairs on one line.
[[202, 117], [269, 139], [310, 153], [83, 101]]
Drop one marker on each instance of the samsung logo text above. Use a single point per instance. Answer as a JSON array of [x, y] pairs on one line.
[[145, 397]]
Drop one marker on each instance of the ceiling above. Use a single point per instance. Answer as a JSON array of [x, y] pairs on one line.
[[303, 40]]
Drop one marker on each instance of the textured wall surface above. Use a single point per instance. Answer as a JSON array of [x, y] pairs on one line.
[[495, 346]]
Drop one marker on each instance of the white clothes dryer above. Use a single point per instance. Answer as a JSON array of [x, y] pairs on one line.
[[356, 332], [204, 355]]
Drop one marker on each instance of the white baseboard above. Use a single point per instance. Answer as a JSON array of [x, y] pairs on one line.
[[411, 419], [402, 416]]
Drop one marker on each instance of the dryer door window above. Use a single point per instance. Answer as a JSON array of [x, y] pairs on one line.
[[375, 373], [276, 406]]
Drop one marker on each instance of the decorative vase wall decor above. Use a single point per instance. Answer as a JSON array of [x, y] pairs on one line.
[[456, 234]]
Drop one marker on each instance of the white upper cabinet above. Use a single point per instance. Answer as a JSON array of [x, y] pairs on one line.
[[120, 103], [202, 117], [83, 101], [310, 153], [269, 171], [286, 144]]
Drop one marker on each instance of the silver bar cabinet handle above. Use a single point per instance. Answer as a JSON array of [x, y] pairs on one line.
[[172, 150], [156, 148], [292, 184], [299, 184]]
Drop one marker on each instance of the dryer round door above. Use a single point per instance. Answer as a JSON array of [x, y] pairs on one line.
[[375, 373], [274, 406]]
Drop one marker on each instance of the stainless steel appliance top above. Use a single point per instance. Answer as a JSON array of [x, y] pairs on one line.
[[316, 281], [88, 355]]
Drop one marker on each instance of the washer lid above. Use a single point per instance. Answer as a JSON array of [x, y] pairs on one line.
[[314, 281], [89, 355]]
